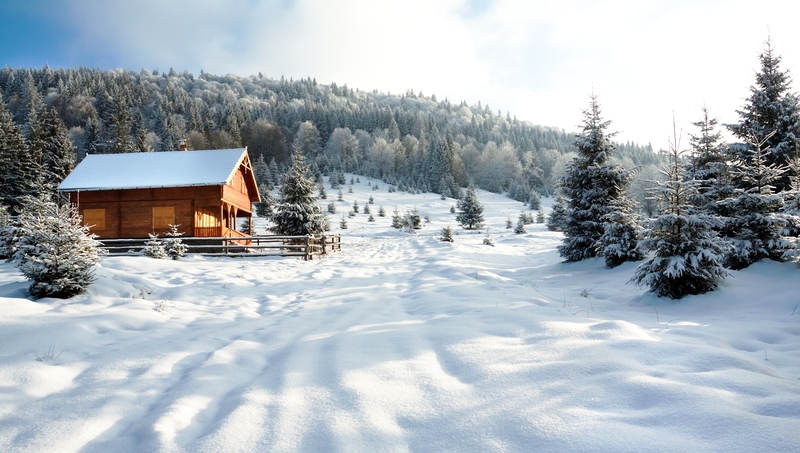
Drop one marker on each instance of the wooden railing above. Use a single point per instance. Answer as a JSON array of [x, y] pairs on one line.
[[305, 246]]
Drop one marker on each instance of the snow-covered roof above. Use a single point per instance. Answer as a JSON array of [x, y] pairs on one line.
[[151, 170]]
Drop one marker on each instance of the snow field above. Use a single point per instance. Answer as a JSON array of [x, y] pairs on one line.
[[400, 343]]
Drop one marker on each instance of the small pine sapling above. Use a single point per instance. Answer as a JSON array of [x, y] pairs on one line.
[[381, 212], [452, 209], [367, 210], [487, 240], [332, 207], [173, 245], [323, 194], [520, 228], [371, 218], [371, 200], [427, 218], [509, 223], [340, 196], [350, 189], [355, 206], [540, 216], [343, 223], [154, 248], [447, 234], [397, 220]]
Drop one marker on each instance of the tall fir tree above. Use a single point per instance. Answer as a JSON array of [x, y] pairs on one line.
[[590, 183], [14, 176], [297, 212], [771, 108], [688, 254], [708, 164], [755, 223]]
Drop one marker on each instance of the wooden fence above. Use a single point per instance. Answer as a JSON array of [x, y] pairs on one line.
[[305, 246]]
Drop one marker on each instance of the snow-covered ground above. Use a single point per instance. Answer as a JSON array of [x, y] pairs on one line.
[[400, 343]]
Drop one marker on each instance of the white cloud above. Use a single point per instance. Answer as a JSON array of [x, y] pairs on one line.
[[538, 59]]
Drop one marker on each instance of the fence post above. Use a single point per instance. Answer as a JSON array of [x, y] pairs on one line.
[[309, 256]]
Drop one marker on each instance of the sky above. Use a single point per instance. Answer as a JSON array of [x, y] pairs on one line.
[[647, 61]]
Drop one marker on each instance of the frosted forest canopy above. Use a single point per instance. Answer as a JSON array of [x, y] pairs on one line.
[[409, 139]]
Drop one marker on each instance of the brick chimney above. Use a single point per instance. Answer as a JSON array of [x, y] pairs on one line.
[[182, 145]]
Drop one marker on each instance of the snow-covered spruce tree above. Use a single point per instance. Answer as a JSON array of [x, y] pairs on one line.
[[173, 246], [755, 224], [520, 228], [54, 250], [773, 109], [447, 234], [154, 248], [535, 202], [470, 215], [412, 221], [618, 244], [708, 164], [297, 212], [590, 183], [265, 207], [558, 215], [688, 254], [397, 219]]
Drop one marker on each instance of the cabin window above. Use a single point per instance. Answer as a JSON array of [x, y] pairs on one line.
[[163, 217], [95, 219]]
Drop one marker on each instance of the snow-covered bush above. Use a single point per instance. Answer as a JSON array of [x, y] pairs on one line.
[[173, 245], [54, 249]]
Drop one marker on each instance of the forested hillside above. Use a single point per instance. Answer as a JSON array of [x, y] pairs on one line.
[[413, 140]]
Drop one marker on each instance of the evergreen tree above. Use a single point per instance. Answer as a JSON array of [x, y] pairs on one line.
[[688, 253], [590, 183], [54, 250], [470, 215], [14, 176], [447, 234], [535, 202], [266, 207], [773, 109], [381, 212], [708, 164], [332, 207], [297, 212], [520, 228], [173, 245], [618, 244], [154, 248], [557, 219], [58, 156], [755, 224]]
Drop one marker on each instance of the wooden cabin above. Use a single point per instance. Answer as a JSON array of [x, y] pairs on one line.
[[208, 193]]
